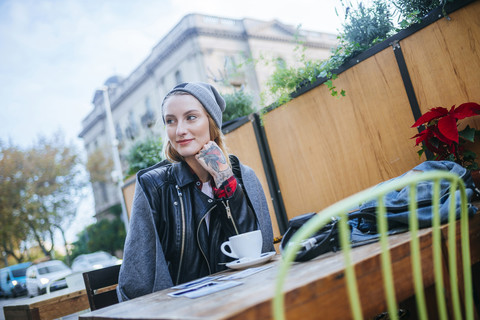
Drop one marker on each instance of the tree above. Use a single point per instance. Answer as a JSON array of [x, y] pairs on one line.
[[367, 25], [106, 235], [144, 154], [54, 189], [39, 189], [238, 104], [99, 166], [12, 230]]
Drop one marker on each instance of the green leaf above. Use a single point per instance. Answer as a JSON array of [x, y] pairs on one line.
[[143, 154], [469, 155], [473, 166], [468, 134], [450, 157]]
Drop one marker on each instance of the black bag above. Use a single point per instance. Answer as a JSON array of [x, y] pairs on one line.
[[324, 240], [362, 220]]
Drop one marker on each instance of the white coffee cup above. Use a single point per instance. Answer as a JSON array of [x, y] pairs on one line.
[[244, 245]]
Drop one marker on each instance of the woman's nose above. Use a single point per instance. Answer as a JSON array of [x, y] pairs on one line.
[[181, 128]]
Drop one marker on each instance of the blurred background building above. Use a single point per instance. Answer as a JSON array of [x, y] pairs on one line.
[[229, 53]]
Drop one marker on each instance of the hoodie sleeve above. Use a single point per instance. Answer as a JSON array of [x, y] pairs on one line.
[[144, 269], [254, 192]]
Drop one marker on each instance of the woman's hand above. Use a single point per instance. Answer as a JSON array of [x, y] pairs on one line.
[[213, 160]]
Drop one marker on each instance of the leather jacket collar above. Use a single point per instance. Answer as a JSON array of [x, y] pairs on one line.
[[183, 174]]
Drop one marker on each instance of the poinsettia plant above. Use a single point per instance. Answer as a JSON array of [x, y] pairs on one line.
[[442, 137]]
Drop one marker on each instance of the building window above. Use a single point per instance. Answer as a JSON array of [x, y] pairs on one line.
[[118, 132], [178, 77], [132, 130], [103, 187], [281, 64], [234, 75], [148, 118], [147, 103], [230, 65]]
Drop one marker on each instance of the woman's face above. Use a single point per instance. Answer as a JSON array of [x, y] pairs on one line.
[[187, 125]]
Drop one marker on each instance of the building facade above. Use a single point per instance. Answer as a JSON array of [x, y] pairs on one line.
[[228, 53]]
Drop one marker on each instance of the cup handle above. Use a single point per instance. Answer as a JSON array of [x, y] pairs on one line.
[[225, 252]]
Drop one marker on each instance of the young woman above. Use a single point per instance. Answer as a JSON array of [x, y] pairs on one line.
[[186, 206]]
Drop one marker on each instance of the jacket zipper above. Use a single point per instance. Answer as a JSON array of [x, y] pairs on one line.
[[180, 196], [229, 215], [198, 240]]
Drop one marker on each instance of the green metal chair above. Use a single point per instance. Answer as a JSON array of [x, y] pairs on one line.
[[341, 208]]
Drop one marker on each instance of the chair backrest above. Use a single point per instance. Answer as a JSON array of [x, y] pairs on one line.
[[341, 208], [101, 286]]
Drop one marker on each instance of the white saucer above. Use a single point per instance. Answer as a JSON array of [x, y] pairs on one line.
[[249, 262]]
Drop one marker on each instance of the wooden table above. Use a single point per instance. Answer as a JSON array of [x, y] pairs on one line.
[[314, 289], [54, 305]]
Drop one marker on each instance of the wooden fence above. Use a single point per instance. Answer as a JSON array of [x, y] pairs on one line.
[[325, 149], [317, 149]]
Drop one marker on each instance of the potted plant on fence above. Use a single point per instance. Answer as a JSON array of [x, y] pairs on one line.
[[442, 138]]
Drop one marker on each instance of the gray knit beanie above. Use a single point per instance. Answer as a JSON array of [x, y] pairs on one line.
[[208, 96]]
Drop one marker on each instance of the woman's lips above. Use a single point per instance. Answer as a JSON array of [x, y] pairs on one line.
[[184, 142]]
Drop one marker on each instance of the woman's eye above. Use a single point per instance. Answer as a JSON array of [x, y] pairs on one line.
[[169, 121], [191, 117]]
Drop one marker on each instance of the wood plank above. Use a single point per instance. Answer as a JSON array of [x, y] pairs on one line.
[[443, 61], [64, 308], [57, 304], [313, 287], [21, 314], [128, 191], [474, 231], [338, 147], [243, 143], [334, 304]]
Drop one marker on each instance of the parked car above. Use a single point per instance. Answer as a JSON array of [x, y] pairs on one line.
[[50, 273], [12, 280], [92, 261]]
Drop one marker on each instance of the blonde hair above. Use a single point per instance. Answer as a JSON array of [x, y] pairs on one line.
[[215, 135]]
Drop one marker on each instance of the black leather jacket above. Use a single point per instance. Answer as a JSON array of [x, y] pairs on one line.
[[168, 243], [179, 210]]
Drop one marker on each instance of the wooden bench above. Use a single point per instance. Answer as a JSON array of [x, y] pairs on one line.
[[54, 305]]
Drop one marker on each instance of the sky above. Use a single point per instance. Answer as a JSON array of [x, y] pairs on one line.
[[54, 54]]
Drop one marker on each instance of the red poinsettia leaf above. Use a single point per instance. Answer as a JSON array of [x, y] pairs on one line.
[[439, 134], [417, 135], [431, 147], [448, 128], [434, 113], [452, 149], [420, 139], [465, 110], [424, 135]]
